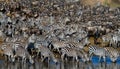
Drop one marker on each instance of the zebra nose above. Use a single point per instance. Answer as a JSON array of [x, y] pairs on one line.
[[13, 60], [57, 63]]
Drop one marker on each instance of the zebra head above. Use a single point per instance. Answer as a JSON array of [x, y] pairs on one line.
[[13, 58], [3, 47], [87, 41], [31, 60], [15, 46], [36, 45], [113, 58], [53, 56], [91, 50], [55, 60], [87, 57]]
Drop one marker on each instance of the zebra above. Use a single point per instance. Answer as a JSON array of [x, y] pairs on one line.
[[78, 45], [98, 51], [8, 51], [22, 53], [69, 52], [2, 33], [58, 44], [74, 45], [31, 41], [112, 53], [108, 38], [118, 44], [32, 38], [85, 55], [115, 39], [9, 32], [20, 49], [46, 53], [85, 41]]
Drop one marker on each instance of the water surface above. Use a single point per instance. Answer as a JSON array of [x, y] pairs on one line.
[[61, 65]]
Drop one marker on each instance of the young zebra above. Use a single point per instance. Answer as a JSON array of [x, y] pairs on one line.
[[112, 53], [98, 51]]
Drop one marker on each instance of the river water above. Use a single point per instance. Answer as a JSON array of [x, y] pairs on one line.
[[51, 65]]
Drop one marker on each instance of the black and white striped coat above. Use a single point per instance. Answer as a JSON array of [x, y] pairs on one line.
[[69, 52], [46, 53], [98, 51], [112, 53], [78, 45], [8, 51], [20, 51], [58, 44]]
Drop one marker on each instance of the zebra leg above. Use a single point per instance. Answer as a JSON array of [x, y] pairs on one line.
[[73, 59], [62, 57], [118, 44], [9, 58], [38, 52], [31, 60], [48, 60], [90, 56], [12, 58], [104, 58], [22, 59], [18, 59], [66, 58], [42, 58], [6, 58], [50, 47], [77, 59], [58, 50], [99, 58], [32, 51]]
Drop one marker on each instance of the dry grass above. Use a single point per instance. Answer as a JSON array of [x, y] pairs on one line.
[[1, 41], [92, 2], [99, 40], [111, 3], [114, 3]]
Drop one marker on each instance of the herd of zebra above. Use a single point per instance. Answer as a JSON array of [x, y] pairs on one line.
[[22, 48], [44, 28]]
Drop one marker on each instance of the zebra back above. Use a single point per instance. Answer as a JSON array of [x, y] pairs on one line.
[[112, 53], [69, 51]]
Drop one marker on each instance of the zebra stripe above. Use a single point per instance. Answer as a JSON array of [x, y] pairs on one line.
[[97, 51], [112, 53], [69, 52], [46, 53]]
